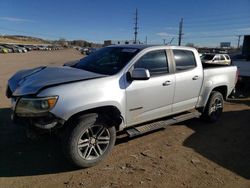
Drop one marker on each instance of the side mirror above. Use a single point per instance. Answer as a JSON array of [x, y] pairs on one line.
[[140, 74]]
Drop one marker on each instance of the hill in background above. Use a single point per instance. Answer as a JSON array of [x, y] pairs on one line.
[[20, 39]]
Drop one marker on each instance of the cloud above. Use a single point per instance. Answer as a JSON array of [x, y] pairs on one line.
[[171, 28], [164, 34], [13, 19], [246, 29]]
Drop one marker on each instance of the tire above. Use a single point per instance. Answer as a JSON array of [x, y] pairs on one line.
[[214, 107], [89, 141]]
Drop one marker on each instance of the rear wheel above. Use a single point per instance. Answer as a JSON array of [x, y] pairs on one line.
[[90, 141], [214, 107]]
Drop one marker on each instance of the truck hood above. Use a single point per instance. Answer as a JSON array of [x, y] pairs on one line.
[[31, 81]]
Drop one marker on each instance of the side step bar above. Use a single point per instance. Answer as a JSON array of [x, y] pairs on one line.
[[136, 131]]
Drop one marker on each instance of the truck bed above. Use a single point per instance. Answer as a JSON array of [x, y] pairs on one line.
[[213, 65], [216, 75]]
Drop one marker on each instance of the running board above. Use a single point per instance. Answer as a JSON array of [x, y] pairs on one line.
[[135, 131]]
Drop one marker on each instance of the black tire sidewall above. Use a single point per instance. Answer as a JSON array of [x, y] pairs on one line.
[[72, 141], [207, 115]]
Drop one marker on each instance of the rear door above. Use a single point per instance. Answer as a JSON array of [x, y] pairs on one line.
[[153, 98], [189, 77]]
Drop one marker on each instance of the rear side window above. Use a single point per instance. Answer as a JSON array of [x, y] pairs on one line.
[[227, 57], [222, 57], [184, 60], [155, 61]]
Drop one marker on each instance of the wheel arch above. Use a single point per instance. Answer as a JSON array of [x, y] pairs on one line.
[[110, 113], [222, 89]]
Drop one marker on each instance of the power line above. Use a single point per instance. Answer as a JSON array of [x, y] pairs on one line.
[[209, 19], [219, 16], [240, 22], [219, 26]]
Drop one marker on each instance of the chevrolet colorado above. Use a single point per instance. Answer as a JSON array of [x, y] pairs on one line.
[[135, 88]]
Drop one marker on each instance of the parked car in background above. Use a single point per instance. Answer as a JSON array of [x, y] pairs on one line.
[[29, 47], [10, 50], [23, 48], [12, 47], [90, 51], [84, 51], [216, 58], [3, 50], [20, 50]]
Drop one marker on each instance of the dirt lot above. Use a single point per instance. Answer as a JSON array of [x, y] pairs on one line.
[[189, 154]]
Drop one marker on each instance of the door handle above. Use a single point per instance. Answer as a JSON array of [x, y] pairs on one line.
[[195, 78], [166, 83]]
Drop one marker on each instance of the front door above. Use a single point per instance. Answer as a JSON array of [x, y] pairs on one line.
[[150, 99]]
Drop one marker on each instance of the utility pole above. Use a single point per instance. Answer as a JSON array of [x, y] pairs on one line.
[[146, 41], [136, 26], [180, 31], [239, 36]]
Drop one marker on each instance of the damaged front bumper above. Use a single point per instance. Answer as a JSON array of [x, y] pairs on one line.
[[48, 121], [44, 120]]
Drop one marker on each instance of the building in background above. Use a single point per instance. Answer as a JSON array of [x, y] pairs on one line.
[[225, 44], [117, 42]]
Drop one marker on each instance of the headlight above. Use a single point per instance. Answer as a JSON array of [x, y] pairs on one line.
[[35, 106]]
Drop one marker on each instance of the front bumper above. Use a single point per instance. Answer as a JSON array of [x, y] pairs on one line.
[[48, 121]]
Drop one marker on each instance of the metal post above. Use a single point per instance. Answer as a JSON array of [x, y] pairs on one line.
[[239, 36]]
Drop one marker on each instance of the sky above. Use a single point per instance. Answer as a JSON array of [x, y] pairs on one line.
[[205, 22]]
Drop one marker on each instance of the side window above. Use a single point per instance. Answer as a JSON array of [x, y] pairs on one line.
[[184, 60], [155, 61], [222, 57]]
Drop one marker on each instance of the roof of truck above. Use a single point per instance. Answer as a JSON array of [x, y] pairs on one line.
[[144, 46], [136, 46]]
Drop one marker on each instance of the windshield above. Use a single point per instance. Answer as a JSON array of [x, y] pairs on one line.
[[108, 61], [207, 57]]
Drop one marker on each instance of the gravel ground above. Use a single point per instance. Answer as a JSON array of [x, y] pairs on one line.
[[189, 154]]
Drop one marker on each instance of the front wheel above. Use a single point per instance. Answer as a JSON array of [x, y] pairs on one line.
[[90, 141], [214, 107]]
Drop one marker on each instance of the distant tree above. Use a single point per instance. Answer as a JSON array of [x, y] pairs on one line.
[[189, 44], [63, 42]]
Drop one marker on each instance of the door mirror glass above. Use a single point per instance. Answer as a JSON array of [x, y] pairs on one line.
[[140, 74]]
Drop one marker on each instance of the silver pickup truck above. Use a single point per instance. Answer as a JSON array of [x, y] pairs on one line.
[[129, 88]]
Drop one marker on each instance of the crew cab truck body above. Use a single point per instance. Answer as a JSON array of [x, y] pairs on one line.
[[117, 88]]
